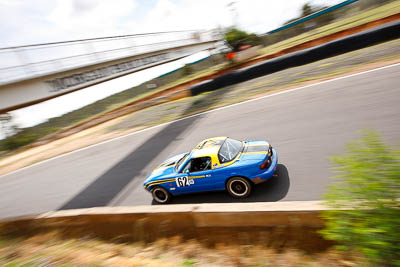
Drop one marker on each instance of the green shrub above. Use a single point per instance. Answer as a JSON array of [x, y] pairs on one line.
[[17, 141], [188, 262], [236, 38], [364, 201]]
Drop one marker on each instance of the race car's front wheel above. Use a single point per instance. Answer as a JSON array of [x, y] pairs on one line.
[[161, 195], [238, 187]]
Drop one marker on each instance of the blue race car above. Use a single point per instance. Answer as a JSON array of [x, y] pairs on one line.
[[219, 163]]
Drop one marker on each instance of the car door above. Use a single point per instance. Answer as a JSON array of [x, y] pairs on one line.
[[193, 179], [201, 180]]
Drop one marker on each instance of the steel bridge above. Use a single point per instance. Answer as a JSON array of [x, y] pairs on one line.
[[34, 73]]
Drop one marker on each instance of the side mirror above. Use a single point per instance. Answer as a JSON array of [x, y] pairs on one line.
[[187, 171]]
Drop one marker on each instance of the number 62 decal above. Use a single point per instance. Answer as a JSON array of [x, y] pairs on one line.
[[184, 181]]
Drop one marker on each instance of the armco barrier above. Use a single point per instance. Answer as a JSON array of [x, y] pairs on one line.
[[279, 224], [353, 42]]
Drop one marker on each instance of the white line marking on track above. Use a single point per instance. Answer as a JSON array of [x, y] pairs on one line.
[[202, 113]]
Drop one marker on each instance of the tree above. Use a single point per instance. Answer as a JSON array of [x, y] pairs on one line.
[[307, 9], [236, 38], [187, 69], [364, 201], [8, 128]]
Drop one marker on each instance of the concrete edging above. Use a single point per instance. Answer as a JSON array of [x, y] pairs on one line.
[[289, 224]]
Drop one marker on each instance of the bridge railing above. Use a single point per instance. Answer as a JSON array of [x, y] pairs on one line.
[[24, 62]]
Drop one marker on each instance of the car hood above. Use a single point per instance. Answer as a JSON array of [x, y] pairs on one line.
[[165, 168], [160, 173]]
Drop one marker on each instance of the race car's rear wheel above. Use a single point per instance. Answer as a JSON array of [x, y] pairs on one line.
[[160, 195], [238, 187]]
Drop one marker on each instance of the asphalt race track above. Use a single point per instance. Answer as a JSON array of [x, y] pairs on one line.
[[306, 126]]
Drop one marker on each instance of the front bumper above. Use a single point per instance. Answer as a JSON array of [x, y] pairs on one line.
[[270, 171]]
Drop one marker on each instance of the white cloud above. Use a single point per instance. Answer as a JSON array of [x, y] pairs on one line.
[[257, 16], [11, 2], [19, 21], [261, 16], [38, 21], [89, 18], [167, 15]]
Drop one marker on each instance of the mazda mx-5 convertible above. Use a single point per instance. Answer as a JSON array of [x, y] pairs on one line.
[[219, 163]]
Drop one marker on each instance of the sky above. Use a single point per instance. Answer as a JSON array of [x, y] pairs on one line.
[[38, 21]]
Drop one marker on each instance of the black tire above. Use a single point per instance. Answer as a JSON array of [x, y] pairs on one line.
[[238, 187], [161, 195]]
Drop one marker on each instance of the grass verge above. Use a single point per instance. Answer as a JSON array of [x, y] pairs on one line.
[[50, 250], [344, 24]]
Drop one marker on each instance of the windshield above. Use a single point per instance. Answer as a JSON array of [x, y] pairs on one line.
[[229, 150], [179, 163]]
